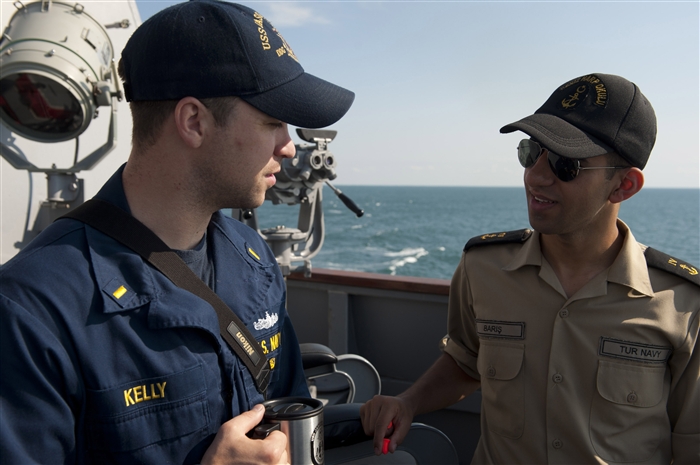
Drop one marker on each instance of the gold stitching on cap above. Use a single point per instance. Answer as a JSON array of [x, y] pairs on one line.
[[264, 40]]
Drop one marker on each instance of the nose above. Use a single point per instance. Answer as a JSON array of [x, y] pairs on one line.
[[285, 147], [539, 174]]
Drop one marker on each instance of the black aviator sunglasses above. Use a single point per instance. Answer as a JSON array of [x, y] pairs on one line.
[[566, 169]]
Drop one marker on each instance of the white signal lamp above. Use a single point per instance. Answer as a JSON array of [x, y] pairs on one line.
[[56, 69]]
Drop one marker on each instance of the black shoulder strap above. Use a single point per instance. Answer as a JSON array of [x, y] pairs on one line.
[[124, 228], [521, 235], [672, 265]]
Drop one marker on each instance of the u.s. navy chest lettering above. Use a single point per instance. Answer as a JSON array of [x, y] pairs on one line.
[[271, 343], [640, 352], [502, 329], [144, 392]]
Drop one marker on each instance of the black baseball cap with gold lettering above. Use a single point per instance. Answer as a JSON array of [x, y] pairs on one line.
[[210, 48], [593, 115]]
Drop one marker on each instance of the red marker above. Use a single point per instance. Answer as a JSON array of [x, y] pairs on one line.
[[385, 444]]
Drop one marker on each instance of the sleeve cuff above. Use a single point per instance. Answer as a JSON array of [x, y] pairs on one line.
[[463, 359]]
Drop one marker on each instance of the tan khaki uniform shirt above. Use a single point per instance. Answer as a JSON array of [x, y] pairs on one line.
[[609, 375]]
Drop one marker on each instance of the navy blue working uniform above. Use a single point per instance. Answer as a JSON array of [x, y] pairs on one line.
[[106, 361]]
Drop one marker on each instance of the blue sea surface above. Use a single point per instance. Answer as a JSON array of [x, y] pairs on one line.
[[420, 231]]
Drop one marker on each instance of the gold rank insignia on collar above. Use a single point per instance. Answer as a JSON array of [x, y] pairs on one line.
[[660, 260], [119, 293], [253, 254], [521, 235]]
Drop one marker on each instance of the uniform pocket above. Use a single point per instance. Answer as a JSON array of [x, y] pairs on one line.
[[140, 413], [628, 418], [503, 392]]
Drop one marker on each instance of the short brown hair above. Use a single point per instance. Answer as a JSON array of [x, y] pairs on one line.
[[148, 117]]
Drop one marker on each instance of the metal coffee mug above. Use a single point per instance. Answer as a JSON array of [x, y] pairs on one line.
[[301, 419]]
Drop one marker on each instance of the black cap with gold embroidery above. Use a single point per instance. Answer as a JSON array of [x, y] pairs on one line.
[[210, 48], [592, 115]]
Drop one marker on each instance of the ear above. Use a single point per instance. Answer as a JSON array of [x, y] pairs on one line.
[[192, 120], [631, 182]]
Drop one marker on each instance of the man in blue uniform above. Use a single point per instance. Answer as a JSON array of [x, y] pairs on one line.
[[583, 341], [105, 360]]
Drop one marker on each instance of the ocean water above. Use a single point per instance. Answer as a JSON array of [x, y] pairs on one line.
[[420, 231]]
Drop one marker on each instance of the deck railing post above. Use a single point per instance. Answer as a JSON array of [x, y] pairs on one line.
[[338, 322]]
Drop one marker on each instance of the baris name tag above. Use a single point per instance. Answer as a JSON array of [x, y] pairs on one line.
[[503, 329]]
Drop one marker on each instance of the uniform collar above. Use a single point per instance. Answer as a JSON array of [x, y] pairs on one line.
[[127, 282], [116, 266], [123, 278], [121, 275], [529, 254], [113, 191], [629, 268]]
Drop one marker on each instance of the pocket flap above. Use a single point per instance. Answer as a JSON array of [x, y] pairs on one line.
[[500, 361], [641, 386]]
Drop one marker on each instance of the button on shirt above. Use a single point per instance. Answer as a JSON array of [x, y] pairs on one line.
[[607, 375], [104, 360]]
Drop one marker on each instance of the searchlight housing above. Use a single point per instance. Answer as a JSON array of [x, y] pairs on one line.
[[57, 69]]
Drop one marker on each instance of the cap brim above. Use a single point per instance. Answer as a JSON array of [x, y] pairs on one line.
[[306, 101], [559, 136]]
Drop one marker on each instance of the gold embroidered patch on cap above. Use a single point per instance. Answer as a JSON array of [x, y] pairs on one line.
[[285, 48], [583, 85], [264, 40]]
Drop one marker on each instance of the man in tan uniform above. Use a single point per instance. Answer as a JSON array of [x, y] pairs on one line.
[[583, 340]]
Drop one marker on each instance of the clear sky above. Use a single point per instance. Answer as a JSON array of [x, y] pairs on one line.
[[435, 80]]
